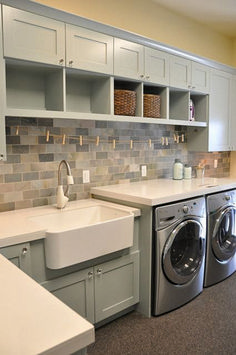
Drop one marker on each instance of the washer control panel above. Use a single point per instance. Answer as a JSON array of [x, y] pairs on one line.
[[168, 214]]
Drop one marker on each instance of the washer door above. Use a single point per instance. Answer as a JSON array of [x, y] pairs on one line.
[[184, 252], [224, 235]]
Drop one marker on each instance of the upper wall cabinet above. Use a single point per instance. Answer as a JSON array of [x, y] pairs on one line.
[[233, 114], [156, 66], [89, 50], [216, 137], [134, 61], [32, 37], [186, 74], [128, 59]]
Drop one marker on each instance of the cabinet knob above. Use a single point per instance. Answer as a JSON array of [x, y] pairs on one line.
[[141, 76], [147, 77], [90, 274], [24, 251], [99, 272], [61, 61], [70, 62]]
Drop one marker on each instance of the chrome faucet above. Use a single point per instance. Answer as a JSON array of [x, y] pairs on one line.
[[63, 197]]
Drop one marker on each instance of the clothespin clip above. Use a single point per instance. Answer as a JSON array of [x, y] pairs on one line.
[[80, 140], [162, 140], [97, 141], [47, 135], [114, 143], [150, 143], [64, 139], [17, 131], [131, 144], [167, 142], [182, 137]]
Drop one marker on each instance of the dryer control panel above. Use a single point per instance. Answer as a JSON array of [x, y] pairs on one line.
[[168, 214]]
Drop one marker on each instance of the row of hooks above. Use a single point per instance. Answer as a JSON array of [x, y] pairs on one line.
[[164, 141]]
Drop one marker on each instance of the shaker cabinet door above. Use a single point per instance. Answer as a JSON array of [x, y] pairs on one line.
[[116, 285], [180, 72], [200, 77], [89, 50], [128, 59], [156, 66], [32, 37], [219, 113]]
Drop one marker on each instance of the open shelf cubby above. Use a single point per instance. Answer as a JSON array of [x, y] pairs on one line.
[[34, 87], [88, 92]]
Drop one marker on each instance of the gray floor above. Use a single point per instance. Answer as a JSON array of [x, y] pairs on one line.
[[206, 325]]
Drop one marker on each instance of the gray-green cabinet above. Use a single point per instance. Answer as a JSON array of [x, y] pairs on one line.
[[2, 98], [190, 75], [134, 61], [216, 137], [99, 292], [19, 255], [232, 125], [32, 37], [89, 50]]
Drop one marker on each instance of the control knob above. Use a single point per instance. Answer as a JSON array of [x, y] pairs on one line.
[[185, 209]]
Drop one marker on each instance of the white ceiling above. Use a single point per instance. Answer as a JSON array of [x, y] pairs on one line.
[[220, 15]]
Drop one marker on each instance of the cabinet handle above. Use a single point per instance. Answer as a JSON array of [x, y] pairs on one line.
[[99, 272], [70, 62], [24, 251], [90, 275], [61, 61]]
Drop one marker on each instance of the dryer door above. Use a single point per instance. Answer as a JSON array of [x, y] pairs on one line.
[[184, 252], [224, 234]]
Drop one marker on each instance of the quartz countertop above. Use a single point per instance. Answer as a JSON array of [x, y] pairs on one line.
[[17, 226], [159, 191], [33, 321]]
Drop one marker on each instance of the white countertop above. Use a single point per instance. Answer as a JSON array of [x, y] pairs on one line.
[[156, 192], [33, 321], [17, 227]]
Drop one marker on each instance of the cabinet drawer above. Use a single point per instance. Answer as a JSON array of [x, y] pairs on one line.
[[19, 255]]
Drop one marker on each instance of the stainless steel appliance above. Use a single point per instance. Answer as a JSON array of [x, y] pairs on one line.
[[179, 253], [221, 237]]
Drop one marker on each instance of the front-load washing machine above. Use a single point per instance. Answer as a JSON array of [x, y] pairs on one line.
[[178, 253], [221, 237]]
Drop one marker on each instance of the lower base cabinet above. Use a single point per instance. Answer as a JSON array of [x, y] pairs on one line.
[[101, 291], [19, 255]]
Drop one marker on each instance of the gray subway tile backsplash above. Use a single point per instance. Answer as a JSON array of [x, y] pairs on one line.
[[29, 176]]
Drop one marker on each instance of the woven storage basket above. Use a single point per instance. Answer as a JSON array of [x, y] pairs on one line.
[[125, 102], [151, 105]]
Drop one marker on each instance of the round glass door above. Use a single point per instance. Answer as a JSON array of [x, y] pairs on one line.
[[224, 235], [184, 251]]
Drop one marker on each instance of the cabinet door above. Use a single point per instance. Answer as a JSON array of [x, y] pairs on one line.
[[128, 59], [19, 255], [219, 113], [89, 50], [156, 66], [116, 286], [76, 290], [180, 72], [33, 37], [200, 77], [233, 114]]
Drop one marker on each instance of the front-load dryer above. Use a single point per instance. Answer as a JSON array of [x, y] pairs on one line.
[[221, 237], [178, 254]]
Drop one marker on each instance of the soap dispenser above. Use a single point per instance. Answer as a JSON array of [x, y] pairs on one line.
[[178, 170]]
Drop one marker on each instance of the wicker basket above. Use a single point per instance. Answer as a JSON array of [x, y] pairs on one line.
[[151, 105], [124, 102]]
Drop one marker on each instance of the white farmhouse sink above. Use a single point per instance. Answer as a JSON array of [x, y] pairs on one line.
[[85, 233]]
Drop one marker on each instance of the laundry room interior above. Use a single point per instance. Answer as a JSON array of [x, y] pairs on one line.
[[162, 183]]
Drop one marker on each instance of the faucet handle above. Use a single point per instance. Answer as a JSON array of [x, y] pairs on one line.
[[70, 180]]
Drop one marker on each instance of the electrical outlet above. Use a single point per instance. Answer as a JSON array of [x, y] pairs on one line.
[[86, 176], [215, 163], [143, 170]]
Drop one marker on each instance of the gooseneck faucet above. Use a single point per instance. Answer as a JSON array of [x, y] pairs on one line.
[[63, 197]]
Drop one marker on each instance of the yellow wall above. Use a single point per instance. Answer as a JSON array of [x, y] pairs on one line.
[[145, 17]]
